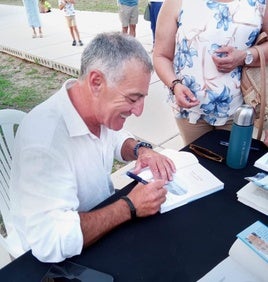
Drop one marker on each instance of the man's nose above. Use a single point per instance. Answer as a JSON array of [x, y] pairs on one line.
[[137, 108]]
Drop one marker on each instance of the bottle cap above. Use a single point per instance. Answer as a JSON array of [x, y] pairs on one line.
[[244, 116]]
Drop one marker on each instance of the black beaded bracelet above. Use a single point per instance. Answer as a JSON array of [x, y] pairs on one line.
[[173, 84], [131, 206]]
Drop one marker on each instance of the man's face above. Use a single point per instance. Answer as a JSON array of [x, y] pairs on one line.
[[120, 101]]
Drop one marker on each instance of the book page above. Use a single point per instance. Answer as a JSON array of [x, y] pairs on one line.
[[262, 162], [252, 264], [190, 182], [228, 271], [254, 197]]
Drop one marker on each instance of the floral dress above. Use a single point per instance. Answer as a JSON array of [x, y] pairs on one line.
[[203, 27]]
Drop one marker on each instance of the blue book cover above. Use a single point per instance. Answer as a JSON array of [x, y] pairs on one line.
[[256, 237]]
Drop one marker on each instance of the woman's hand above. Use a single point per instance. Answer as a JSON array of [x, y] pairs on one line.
[[184, 96], [227, 58]]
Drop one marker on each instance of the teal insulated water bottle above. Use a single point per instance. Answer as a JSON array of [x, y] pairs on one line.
[[240, 137]]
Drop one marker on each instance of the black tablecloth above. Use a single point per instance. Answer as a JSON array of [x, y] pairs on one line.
[[180, 245]]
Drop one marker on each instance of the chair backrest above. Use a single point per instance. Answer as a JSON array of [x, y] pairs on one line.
[[9, 121]]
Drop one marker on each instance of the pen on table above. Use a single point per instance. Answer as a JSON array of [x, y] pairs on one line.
[[224, 143], [136, 177]]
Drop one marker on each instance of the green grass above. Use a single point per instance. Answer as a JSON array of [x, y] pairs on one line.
[[14, 97], [24, 84]]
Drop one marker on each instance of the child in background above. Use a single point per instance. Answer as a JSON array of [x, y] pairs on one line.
[[128, 14], [68, 7], [45, 6]]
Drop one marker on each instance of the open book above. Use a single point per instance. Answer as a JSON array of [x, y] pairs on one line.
[[248, 258], [190, 182]]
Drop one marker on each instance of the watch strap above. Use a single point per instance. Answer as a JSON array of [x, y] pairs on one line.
[[131, 206], [141, 144]]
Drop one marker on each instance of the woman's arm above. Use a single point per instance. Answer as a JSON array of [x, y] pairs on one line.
[[164, 49], [264, 46], [165, 39]]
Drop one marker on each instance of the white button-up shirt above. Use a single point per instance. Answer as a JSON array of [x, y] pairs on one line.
[[59, 169]]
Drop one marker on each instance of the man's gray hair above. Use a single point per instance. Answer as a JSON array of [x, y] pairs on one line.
[[108, 52]]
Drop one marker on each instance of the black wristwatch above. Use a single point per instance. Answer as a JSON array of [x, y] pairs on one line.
[[141, 144]]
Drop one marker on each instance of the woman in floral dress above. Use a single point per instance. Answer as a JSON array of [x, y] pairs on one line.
[[200, 48]]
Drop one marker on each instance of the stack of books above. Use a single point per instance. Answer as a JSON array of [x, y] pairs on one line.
[[255, 193]]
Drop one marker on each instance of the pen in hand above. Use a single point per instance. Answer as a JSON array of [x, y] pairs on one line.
[[136, 177]]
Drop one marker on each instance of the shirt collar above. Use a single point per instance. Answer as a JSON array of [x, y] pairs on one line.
[[74, 123]]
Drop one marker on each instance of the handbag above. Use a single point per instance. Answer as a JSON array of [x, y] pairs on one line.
[[254, 87], [146, 15]]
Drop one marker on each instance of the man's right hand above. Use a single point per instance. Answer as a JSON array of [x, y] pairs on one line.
[[148, 198]]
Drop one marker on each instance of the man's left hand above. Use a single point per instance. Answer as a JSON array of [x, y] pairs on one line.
[[161, 166]]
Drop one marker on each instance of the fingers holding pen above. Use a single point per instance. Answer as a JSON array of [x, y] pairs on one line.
[[148, 198]]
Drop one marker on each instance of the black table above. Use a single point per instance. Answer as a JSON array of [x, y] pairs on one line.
[[180, 245]]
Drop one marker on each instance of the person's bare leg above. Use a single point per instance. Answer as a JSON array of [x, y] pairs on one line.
[[132, 30], [34, 32], [78, 36], [40, 32], [125, 29], [76, 32], [73, 35], [72, 32], [266, 137]]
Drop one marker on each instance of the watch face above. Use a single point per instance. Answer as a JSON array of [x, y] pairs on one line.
[[249, 58]]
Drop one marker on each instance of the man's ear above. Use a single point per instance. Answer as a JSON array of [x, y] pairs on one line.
[[95, 80]]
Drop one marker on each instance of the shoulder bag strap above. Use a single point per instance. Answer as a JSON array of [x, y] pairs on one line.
[[262, 90]]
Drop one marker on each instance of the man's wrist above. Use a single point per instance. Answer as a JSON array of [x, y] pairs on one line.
[[140, 145], [131, 206]]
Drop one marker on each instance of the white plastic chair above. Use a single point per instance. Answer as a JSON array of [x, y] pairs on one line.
[[9, 121]]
